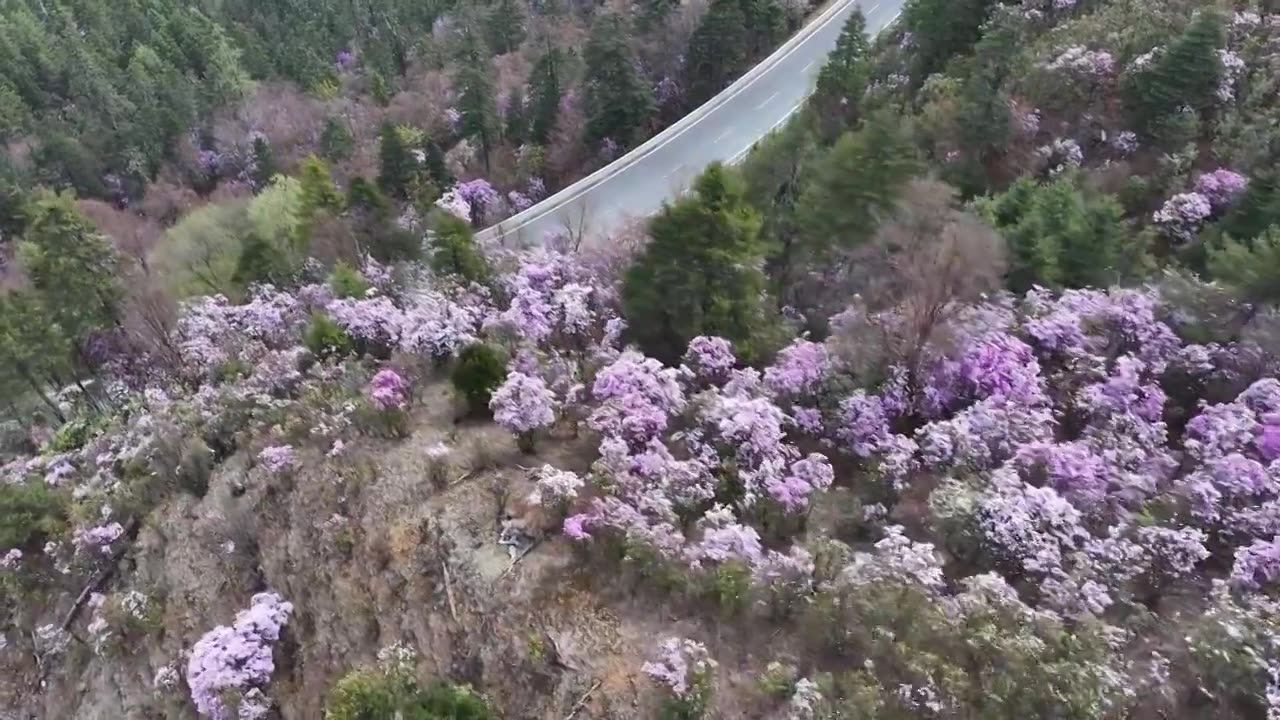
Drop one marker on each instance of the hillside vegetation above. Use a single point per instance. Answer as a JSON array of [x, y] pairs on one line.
[[957, 399]]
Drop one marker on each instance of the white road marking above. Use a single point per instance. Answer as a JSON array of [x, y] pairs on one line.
[[872, 10], [674, 170], [894, 19], [767, 100], [734, 160], [582, 187], [721, 135], [806, 67]]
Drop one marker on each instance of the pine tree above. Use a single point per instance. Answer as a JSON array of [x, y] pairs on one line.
[[365, 199], [1186, 74], [335, 140], [618, 101], [717, 50], [1250, 268], [397, 166], [264, 163], [856, 185], [1057, 234], [516, 125], [942, 29], [700, 275], [72, 268], [453, 251], [260, 262], [506, 26], [545, 88], [842, 81], [379, 89], [766, 25], [318, 191], [475, 102]]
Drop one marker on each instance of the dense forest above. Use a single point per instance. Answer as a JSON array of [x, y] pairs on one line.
[[956, 398]]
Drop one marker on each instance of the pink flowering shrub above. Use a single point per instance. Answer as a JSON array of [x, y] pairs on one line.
[[523, 404], [98, 539], [1182, 215], [710, 359], [1221, 187], [685, 670], [636, 398], [798, 369], [388, 391], [278, 459], [230, 667]]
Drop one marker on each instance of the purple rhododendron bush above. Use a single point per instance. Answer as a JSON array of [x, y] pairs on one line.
[[1054, 504], [958, 399]]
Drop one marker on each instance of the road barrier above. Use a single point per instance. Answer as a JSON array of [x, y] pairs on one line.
[[513, 224]]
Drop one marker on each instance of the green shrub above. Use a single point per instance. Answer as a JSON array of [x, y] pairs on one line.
[[371, 695], [453, 251], [346, 282], [70, 436], [324, 338], [362, 695], [445, 701], [481, 368], [29, 513]]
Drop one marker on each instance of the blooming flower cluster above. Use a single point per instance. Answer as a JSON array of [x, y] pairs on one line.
[[1182, 215], [388, 390], [1080, 60], [680, 665], [235, 662], [278, 459]]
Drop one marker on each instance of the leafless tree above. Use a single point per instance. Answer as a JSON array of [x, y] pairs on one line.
[[923, 267]]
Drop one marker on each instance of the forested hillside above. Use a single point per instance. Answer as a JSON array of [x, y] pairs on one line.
[[957, 399]]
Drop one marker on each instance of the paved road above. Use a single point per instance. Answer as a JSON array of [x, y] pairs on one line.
[[726, 127]]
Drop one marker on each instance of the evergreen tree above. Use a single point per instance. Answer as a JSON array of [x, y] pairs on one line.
[[480, 370], [335, 140], [33, 351], [318, 190], [475, 102], [453, 251], [618, 101], [435, 165], [941, 30], [766, 25], [1058, 235], [652, 13], [506, 26], [1186, 74], [516, 124], [264, 163], [1250, 268], [364, 199], [983, 106], [855, 186], [397, 166], [842, 81], [64, 162], [546, 90], [73, 269], [717, 51], [379, 89], [260, 262], [1259, 207], [700, 275]]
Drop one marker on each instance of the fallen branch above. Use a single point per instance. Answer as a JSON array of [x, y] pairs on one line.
[[462, 477], [95, 584], [448, 590], [520, 557], [581, 701]]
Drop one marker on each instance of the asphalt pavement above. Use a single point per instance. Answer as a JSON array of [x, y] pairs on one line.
[[723, 129]]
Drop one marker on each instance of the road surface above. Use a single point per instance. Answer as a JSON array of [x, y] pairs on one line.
[[723, 129]]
